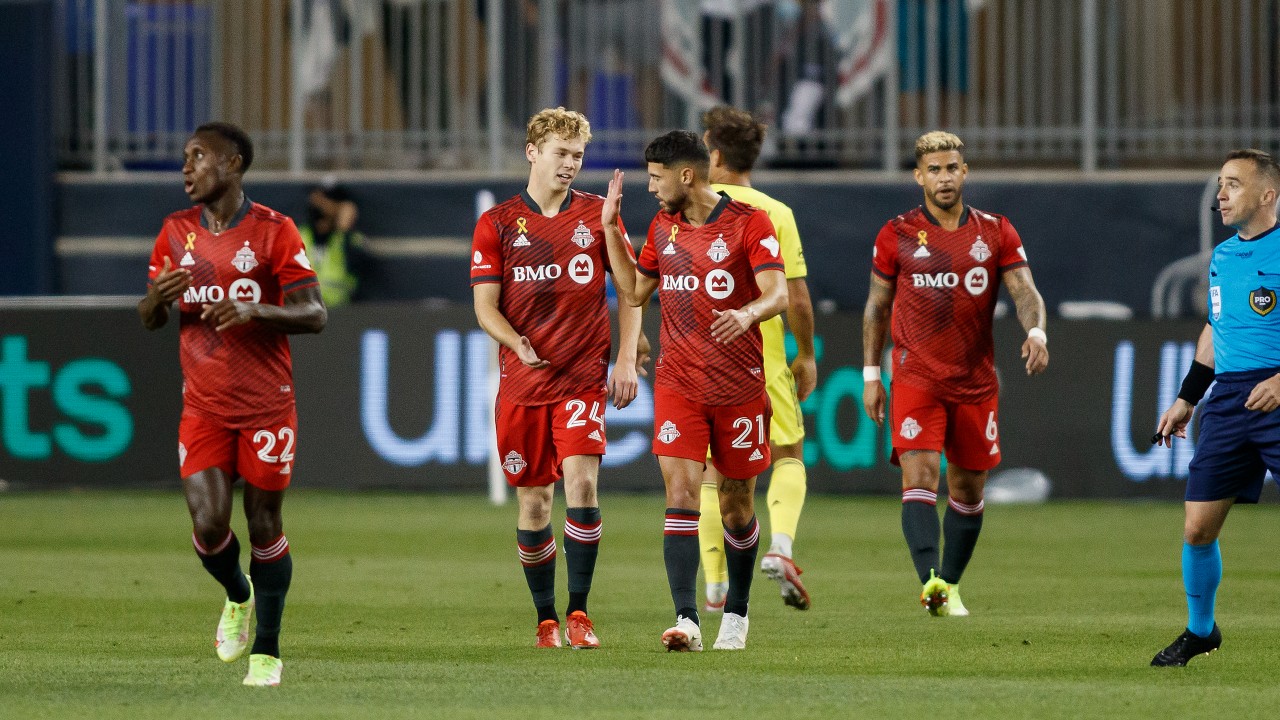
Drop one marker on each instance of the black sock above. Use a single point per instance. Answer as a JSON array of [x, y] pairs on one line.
[[538, 556], [581, 545], [960, 531], [740, 549], [920, 528], [680, 553], [224, 566], [272, 571]]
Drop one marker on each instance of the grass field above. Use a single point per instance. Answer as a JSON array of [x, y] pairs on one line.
[[415, 606]]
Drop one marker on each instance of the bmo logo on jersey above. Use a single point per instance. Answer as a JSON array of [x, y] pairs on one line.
[[527, 273], [680, 283], [242, 290], [582, 268], [719, 284], [975, 281]]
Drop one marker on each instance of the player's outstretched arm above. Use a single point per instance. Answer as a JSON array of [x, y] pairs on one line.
[[621, 255], [168, 286], [303, 312], [875, 330], [485, 297], [1173, 423], [1031, 313]]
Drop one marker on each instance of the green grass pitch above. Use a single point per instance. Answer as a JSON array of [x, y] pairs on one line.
[[415, 606]]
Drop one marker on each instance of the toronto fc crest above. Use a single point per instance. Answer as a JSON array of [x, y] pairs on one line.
[[245, 260]]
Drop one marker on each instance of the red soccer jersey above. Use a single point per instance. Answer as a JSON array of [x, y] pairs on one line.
[[705, 268], [553, 292], [946, 282], [242, 376]]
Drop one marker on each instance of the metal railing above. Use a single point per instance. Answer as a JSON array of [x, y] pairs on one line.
[[423, 84]]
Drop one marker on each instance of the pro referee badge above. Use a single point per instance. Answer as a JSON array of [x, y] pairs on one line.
[[1262, 300], [245, 260]]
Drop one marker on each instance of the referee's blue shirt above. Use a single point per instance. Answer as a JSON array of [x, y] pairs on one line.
[[1244, 289]]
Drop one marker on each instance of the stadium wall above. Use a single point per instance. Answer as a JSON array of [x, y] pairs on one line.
[[1093, 240], [398, 397]]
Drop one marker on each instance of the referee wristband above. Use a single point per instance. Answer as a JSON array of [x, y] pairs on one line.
[[871, 373], [1199, 378], [1038, 334]]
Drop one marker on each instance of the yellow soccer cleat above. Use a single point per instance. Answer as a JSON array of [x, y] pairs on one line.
[[232, 636], [264, 671], [955, 606], [934, 595]]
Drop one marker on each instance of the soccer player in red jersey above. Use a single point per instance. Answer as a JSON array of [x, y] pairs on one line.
[[719, 272], [537, 277], [242, 282], [933, 270]]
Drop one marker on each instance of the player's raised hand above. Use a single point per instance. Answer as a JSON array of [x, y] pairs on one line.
[[1173, 423], [623, 385], [612, 201], [730, 325], [171, 283], [228, 313], [528, 356], [1265, 396], [873, 400], [1036, 354]]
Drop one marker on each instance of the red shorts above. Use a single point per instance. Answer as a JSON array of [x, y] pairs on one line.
[[262, 456], [738, 435], [534, 440], [968, 434]]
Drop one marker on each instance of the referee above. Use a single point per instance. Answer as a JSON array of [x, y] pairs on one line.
[[1239, 438]]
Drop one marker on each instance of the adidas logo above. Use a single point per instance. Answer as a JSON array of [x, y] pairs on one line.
[[187, 260], [286, 469], [921, 252], [757, 455], [671, 249], [521, 241], [595, 435], [995, 449]]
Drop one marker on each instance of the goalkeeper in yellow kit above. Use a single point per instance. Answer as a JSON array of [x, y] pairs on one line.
[[733, 138]]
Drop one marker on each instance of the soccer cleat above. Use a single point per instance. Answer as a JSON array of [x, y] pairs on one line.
[[781, 569], [580, 633], [733, 632], [232, 636], [686, 636], [264, 671], [955, 606], [934, 595], [1187, 646], [716, 594], [548, 634]]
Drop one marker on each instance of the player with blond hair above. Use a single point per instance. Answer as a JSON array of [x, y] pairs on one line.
[[934, 270], [537, 277]]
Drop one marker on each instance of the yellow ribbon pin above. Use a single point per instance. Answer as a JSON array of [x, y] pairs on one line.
[[520, 225], [191, 241], [674, 229], [923, 235]]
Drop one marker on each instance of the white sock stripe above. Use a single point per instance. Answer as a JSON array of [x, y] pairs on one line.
[[538, 555], [920, 495], [966, 509], [680, 526], [589, 534], [200, 548], [273, 551], [750, 541]]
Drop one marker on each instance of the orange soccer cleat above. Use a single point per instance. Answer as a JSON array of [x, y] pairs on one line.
[[581, 633], [548, 634]]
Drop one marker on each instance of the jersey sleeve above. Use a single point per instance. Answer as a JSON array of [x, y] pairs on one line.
[[159, 252], [789, 237], [647, 263], [289, 260], [1012, 254], [761, 242], [486, 252], [884, 256]]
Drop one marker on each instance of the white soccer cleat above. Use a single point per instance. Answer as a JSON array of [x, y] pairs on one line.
[[686, 636], [716, 594], [733, 632], [782, 570], [264, 671], [955, 606], [232, 636]]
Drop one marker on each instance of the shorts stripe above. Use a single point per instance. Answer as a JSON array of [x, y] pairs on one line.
[[928, 497], [276, 550], [975, 509], [586, 534], [538, 554]]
